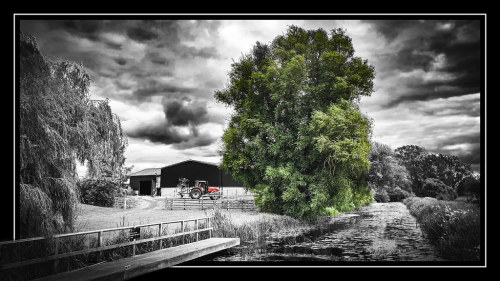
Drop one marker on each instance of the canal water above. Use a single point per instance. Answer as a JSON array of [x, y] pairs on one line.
[[380, 232]]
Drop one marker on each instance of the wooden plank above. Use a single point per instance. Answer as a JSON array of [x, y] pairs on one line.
[[131, 267]]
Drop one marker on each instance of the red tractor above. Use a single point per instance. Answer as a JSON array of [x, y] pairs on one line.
[[201, 188]]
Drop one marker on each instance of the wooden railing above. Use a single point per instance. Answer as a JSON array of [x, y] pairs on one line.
[[120, 202], [100, 247], [204, 203]]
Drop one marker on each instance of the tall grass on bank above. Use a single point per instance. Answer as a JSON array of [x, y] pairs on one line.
[[224, 226], [453, 227]]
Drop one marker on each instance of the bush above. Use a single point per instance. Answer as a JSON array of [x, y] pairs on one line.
[[389, 193], [101, 192], [437, 189], [469, 187], [381, 196], [397, 194], [454, 227]]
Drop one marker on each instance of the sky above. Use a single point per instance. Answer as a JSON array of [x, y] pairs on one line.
[[160, 77]]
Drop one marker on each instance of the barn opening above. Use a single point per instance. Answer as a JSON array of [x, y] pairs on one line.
[[145, 187], [146, 182]]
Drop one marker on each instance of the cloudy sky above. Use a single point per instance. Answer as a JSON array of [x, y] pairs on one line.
[[160, 77]]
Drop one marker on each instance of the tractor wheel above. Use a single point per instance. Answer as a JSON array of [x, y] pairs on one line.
[[195, 193]]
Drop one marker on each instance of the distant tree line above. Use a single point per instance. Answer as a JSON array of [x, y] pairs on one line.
[[59, 125], [412, 171]]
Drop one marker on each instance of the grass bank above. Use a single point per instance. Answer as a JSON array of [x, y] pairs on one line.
[[254, 230], [453, 227]]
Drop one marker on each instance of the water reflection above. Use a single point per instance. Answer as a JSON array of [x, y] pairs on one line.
[[379, 232]]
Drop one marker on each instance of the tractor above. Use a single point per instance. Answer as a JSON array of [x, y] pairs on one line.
[[199, 189]]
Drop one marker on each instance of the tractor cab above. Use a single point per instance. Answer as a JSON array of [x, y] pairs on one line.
[[202, 184]]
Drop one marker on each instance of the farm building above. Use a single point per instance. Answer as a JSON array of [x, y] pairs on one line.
[[196, 170], [146, 181]]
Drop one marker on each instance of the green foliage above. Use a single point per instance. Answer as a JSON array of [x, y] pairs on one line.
[[454, 227], [297, 138], [58, 125], [98, 192]]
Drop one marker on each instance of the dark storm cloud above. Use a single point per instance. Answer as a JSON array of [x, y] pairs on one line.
[[111, 54], [113, 45], [156, 58], [190, 52], [392, 28], [140, 34], [457, 42], [165, 133], [471, 154], [158, 133], [154, 88], [419, 91], [84, 28], [179, 114], [121, 61], [466, 105]]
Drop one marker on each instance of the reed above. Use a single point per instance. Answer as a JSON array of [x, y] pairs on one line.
[[224, 226]]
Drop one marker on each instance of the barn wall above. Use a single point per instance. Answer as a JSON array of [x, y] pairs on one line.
[[227, 180], [135, 181], [195, 171]]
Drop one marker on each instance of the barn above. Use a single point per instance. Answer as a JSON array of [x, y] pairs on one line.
[[196, 170], [146, 182]]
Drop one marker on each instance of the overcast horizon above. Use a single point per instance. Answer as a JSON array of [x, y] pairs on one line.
[[160, 77]]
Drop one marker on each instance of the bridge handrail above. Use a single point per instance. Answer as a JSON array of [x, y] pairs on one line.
[[96, 231], [100, 247], [97, 249]]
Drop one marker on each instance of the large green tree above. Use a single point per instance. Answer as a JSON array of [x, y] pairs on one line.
[[297, 137], [59, 125]]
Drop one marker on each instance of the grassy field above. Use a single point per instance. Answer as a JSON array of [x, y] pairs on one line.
[[147, 210]]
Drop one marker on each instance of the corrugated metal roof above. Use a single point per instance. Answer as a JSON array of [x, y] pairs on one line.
[[147, 172], [191, 160]]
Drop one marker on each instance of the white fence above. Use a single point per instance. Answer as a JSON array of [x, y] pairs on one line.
[[228, 192]]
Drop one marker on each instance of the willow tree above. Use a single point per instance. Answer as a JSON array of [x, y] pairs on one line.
[[297, 137], [59, 125]]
